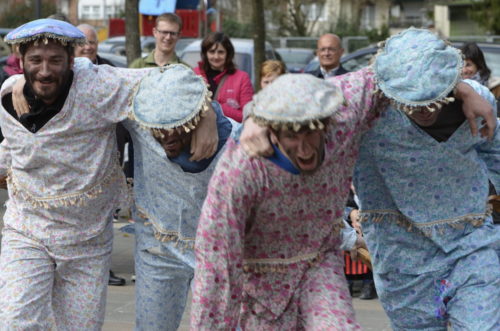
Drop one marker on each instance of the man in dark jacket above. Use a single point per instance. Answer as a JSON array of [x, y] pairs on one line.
[[329, 53]]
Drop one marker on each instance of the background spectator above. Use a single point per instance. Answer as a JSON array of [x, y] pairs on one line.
[[230, 86], [356, 270], [270, 70], [329, 53], [474, 65]]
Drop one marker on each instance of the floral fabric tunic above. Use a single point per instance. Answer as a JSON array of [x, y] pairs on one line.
[[424, 190], [64, 180], [426, 223], [262, 229]]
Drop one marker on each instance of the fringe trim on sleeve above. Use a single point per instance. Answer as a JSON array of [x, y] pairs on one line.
[[79, 198], [427, 228]]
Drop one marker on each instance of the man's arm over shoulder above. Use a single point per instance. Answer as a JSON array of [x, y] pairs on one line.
[[360, 102], [108, 89], [218, 283]]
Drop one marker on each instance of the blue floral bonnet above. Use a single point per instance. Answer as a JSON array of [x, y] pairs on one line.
[[416, 70], [170, 98]]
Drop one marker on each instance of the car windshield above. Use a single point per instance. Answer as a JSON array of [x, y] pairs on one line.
[[492, 58], [296, 57], [358, 62], [242, 61]]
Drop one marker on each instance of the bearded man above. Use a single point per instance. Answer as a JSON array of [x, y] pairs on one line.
[[64, 180]]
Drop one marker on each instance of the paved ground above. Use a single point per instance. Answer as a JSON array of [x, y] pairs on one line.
[[120, 303]]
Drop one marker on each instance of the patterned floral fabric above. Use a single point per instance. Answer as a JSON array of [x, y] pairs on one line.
[[258, 246], [426, 72], [464, 294], [64, 184], [48, 28], [423, 204], [53, 287], [405, 177], [64, 180]]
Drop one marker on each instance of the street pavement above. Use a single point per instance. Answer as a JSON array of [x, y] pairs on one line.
[[120, 307]]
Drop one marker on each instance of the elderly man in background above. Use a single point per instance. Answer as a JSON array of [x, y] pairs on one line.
[[89, 49], [329, 53]]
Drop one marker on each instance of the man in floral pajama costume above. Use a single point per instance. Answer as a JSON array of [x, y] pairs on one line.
[[169, 190], [422, 182], [64, 181], [268, 246]]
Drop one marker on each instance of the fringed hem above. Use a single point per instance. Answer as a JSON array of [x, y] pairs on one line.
[[427, 228], [410, 109], [410, 106], [183, 243], [186, 124], [281, 265], [64, 40], [165, 236], [78, 199]]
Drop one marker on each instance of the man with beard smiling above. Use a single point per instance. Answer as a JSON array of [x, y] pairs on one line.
[[64, 180]]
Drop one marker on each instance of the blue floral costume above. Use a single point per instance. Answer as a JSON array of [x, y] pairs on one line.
[[427, 226], [168, 195]]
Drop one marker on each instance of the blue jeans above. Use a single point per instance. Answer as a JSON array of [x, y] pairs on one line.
[[163, 276]]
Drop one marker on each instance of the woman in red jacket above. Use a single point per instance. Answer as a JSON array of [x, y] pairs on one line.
[[231, 87]]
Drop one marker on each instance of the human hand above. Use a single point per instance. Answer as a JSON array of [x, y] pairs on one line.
[[206, 137], [360, 243], [474, 106], [18, 99], [254, 139]]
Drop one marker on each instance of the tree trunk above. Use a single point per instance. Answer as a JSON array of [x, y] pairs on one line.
[[133, 42], [259, 39]]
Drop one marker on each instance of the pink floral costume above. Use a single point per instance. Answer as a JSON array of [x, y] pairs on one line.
[[267, 245]]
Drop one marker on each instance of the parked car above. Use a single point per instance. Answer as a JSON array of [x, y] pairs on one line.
[[295, 58], [243, 57], [116, 45], [117, 60], [360, 58]]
